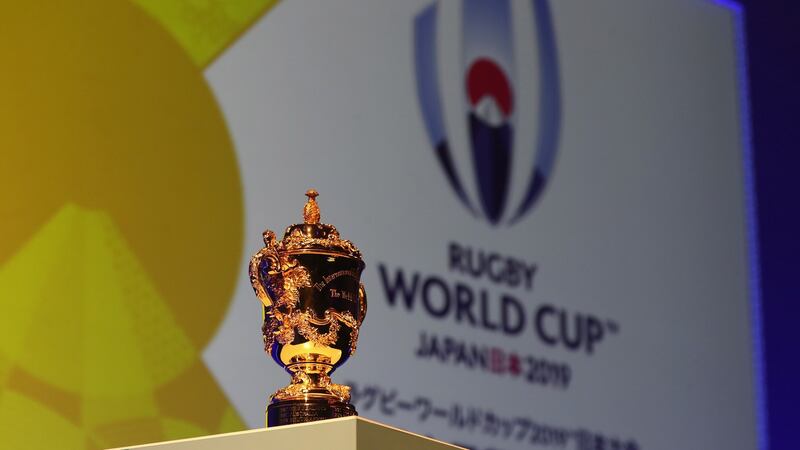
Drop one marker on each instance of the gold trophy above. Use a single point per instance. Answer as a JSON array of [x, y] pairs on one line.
[[313, 306]]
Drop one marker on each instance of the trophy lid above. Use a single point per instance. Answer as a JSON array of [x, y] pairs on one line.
[[313, 236]]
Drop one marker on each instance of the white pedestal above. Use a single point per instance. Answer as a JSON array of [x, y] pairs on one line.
[[346, 433]]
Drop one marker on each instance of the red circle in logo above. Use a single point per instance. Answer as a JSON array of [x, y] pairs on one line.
[[485, 77]]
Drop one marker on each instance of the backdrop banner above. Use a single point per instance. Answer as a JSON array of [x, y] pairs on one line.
[[550, 196]]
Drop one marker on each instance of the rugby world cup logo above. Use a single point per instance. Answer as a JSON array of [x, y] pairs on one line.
[[490, 78]]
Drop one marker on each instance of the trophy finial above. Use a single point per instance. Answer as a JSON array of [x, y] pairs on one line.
[[311, 210]]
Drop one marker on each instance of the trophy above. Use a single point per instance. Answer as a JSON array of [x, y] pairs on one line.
[[313, 306]]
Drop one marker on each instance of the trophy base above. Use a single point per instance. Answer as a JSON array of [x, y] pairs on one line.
[[287, 412]]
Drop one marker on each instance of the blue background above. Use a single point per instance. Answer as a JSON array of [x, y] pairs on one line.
[[773, 48]]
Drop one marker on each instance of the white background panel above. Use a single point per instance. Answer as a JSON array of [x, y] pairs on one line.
[[642, 222]]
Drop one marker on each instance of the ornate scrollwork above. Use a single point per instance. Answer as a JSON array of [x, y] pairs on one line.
[[277, 277], [302, 384], [268, 330], [297, 240]]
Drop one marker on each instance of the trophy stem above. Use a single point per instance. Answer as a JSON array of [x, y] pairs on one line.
[[310, 396], [312, 380]]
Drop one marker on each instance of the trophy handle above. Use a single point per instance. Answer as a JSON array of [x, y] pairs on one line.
[[362, 303], [269, 251], [255, 281]]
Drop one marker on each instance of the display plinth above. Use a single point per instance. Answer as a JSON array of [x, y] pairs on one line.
[[346, 433]]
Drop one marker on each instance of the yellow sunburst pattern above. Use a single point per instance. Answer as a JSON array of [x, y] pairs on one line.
[[121, 221]]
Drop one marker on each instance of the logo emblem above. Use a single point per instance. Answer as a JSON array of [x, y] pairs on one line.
[[489, 81]]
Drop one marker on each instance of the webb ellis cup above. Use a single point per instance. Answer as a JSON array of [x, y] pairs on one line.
[[313, 305]]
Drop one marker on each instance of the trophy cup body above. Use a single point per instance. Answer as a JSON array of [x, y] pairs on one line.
[[313, 305]]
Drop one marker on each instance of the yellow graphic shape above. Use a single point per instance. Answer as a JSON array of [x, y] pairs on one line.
[[102, 108], [92, 355], [206, 27], [106, 305]]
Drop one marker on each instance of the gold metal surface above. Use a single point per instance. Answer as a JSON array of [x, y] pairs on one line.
[[311, 210], [313, 304], [332, 243]]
